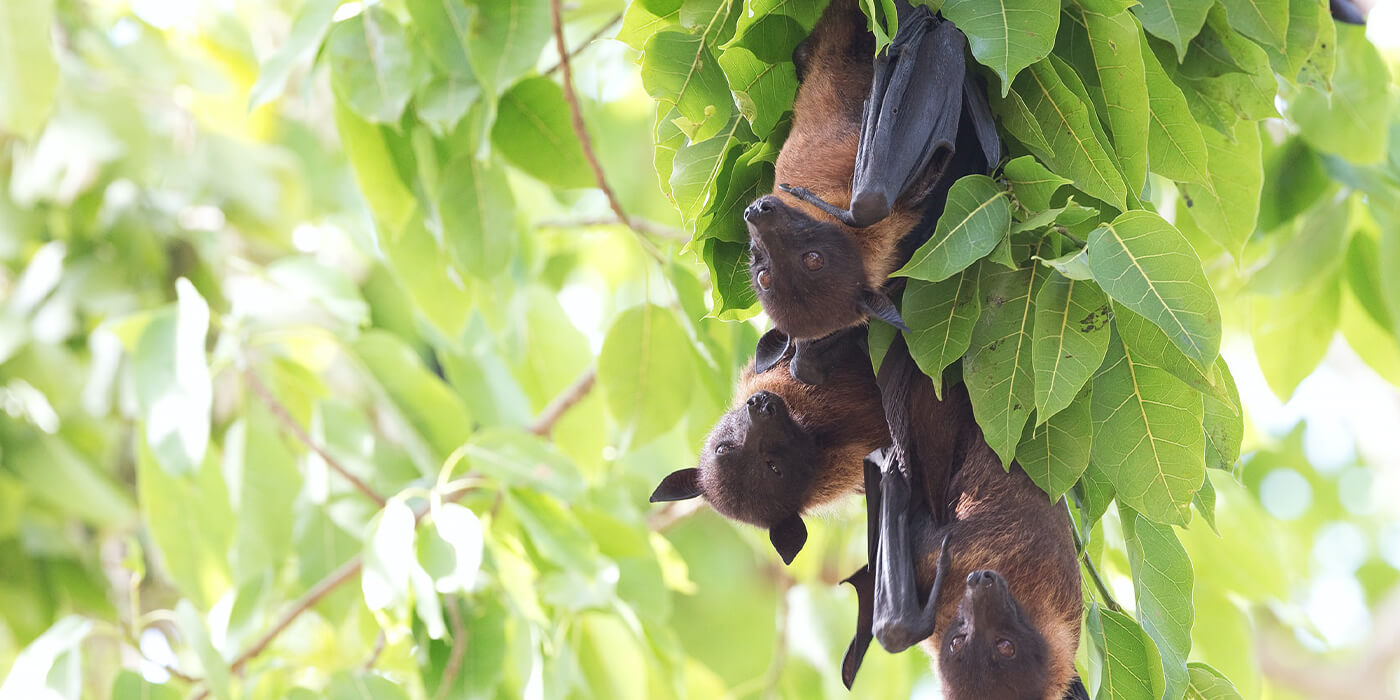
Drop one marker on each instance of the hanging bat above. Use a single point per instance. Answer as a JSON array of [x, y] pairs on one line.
[[873, 148], [787, 447], [1010, 630]]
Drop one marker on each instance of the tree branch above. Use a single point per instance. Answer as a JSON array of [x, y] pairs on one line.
[[567, 399], [459, 648], [285, 417], [596, 35], [650, 228]]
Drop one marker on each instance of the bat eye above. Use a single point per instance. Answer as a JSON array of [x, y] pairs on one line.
[[813, 260], [721, 449], [957, 642], [1006, 648], [775, 469], [765, 279]]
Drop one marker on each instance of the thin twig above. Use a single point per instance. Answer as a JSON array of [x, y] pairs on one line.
[[566, 400], [596, 35], [650, 228], [374, 653], [290, 424], [323, 588], [1089, 565], [459, 648]]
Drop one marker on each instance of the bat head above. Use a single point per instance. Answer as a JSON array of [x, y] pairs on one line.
[[808, 273], [757, 466], [991, 650]]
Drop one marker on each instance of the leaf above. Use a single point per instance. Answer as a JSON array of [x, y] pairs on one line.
[[1354, 122], [1294, 179], [58, 477], [524, 460], [1209, 684], [460, 530], [729, 276], [1205, 502], [309, 28], [1177, 21], [1124, 656], [764, 91], [1071, 334], [997, 370], [442, 102], [171, 375], [1227, 207], [478, 216], [1031, 184], [1054, 453], [678, 69], [646, 371], [130, 685], [1312, 248], [374, 71], [1301, 39], [1147, 436], [28, 677], [445, 27], [533, 132], [1006, 36], [1265, 21], [555, 531], [1321, 63], [506, 39], [1073, 265], [196, 635], [1122, 80], [942, 316], [1018, 121], [976, 218], [263, 481], [327, 287], [1066, 121], [388, 557], [1175, 147], [1291, 333], [389, 199], [1162, 580], [1149, 344], [427, 405], [28, 71], [363, 685], [435, 289]]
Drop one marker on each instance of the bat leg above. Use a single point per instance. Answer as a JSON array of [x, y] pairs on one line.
[[864, 583], [900, 621], [806, 195]]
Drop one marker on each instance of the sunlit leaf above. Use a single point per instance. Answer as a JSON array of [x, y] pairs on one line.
[[1031, 183], [942, 316], [1291, 332], [1354, 121], [309, 27], [1162, 580], [505, 39], [645, 369], [172, 382], [976, 218], [28, 72], [532, 130], [374, 70], [1129, 667], [1007, 36]]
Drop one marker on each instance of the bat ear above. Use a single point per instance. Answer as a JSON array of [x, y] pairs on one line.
[[679, 485], [879, 306], [771, 348], [788, 537]]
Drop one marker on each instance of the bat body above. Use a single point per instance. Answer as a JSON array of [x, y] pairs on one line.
[[971, 560], [786, 447], [874, 145]]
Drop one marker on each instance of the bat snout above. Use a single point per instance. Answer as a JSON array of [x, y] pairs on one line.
[[984, 578], [762, 404], [762, 207]]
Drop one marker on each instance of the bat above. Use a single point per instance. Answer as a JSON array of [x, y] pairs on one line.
[[875, 143], [787, 447]]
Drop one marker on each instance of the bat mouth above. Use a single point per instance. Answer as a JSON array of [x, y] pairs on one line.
[[765, 405], [765, 208]]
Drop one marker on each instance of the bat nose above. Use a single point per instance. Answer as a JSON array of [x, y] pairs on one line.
[[763, 205], [761, 404], [981, 578]]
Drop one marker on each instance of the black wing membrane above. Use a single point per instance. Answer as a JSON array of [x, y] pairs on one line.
[[911, 117]]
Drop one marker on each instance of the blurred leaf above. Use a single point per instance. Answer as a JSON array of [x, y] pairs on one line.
[[28, 72], [478, 216], [425, 402], [214, 669], [461, 530], [1163, 589], [444, 28], [1122, 653], [1265, 21], [1209, 684], [526, 461], [189, 520], [388, 556], [1008, 37], [505, 39], [263, 482], [173, 384], [374, 69], [1223, 421], [1294, 178], [483, 664], [976, 217], [997, 369], [555, 532], [1054, 453], [645, 371], [533, 132], [328, 287], [944, 314], [1310, 251], [59, 646], [1147, 436], [1291, 332], [363, 685], [55, 473], [1354, 121], [1070, 338], [309, 28], [387, 196], [1226, 207], [132, 686]]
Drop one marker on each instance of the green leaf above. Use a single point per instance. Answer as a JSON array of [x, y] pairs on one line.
[[435, 289], [555, 531], [1321, 63], [28, 71], [1094, 492], [1301, 40], [28, 677], [443, 101], [1145, 264], [764, 91], [505, 40], [1223, 421], [1118, 59], [1291, 333], [1124, 657], [1031, 184], [388, 557], [1265, 21], [387, 196], [1054, 453], [1073, 265], [1066, 120], [678, 69], [130, 685], [59, 477], [1227, 206], [1209, 684], [363, 685], [639, 23], [976, 218], [1354, 121], [1389, 255], [445, 27], [459, 530], [478, 216], [309, 27], [263, 481], [1205, 502], [646, 371], [997, 370], [1006, 36], [1147, 436], [533, 132], [1177, 21], [1162, 580], [525, 460], [1175, 147], [193, 630], [426, 403], [330, 288], [1312, 248], [1072, 321], [1018, 121], [171, 375], [1149, 344], [374, 71], [1294, 179], [942, 316], [729, 274]]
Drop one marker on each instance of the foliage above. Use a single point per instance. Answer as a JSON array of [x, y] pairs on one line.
[[302, 309]]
